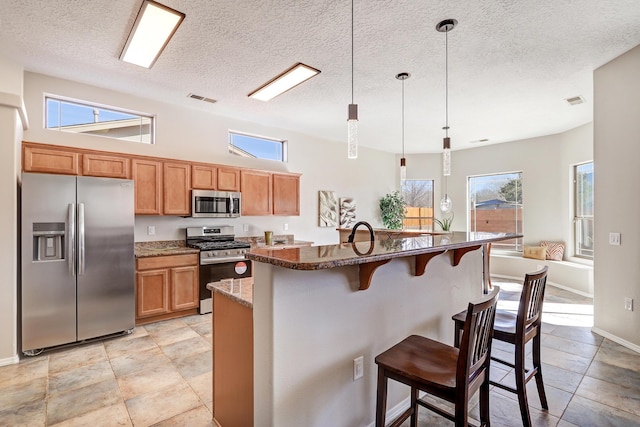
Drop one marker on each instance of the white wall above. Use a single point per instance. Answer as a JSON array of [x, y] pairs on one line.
[[200, 136], [546, 164], [617, 205], [10, 135]]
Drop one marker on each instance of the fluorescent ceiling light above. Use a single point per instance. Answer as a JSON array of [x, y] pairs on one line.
[[285, 81], [154, 27]]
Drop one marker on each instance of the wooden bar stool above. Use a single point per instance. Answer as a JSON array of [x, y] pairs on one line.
[[518, 329], [441, 370]]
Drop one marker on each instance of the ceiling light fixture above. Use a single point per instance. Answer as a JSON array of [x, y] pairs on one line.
[[444, 27], [352, 114], [403, 162], [154, 27], [283, 82]]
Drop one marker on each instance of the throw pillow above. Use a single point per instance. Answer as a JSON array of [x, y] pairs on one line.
[[535, 252], [555, 250]]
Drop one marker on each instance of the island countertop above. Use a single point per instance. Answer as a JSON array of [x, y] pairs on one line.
[[331, 256]]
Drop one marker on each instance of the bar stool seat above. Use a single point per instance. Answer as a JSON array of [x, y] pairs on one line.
[[440, 370], [518, 329]]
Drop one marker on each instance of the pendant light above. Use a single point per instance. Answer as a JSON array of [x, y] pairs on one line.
[[403, 162], [352, 117], [444, 27]]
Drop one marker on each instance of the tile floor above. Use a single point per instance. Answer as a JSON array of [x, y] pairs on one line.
[[161, 375]]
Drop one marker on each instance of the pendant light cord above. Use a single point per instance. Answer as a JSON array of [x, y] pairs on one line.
[[352, 51], [403, 118], [446, 82]]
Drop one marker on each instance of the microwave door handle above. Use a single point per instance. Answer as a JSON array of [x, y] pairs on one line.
[[71, 243], [230, 204]]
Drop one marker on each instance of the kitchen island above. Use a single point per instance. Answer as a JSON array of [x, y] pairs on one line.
[[316, 309]]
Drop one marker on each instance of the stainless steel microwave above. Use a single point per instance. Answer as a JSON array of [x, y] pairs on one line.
[[215, 204]]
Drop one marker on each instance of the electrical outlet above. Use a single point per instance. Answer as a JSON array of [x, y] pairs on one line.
[[628, 303], [358, 367], [285, 226], [151, 230], [245, 227], [539, 267], [614, 239]]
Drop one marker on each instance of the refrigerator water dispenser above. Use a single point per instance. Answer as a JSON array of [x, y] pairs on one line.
[[48, 241]]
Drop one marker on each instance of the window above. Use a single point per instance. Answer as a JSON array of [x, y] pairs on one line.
[[583, 211], [419, 197], [259, 147], [496, 206], [69, 115]]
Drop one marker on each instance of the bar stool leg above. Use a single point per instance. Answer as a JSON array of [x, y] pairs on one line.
[[381, 399], [521, 385], [414, 407], [538, 365]]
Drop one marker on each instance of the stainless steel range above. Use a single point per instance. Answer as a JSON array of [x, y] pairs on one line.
[[221, 257]]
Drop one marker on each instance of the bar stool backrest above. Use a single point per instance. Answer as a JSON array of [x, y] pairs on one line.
[[475, 348], [531, 299]]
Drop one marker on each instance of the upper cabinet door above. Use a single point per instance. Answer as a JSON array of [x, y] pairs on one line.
[[256, 192], [50, 160], [106, 166], [228, 179], [177, 183], [286, 194], [147, 176], [203, 177]]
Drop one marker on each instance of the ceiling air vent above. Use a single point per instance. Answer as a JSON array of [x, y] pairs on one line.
[[202, 98], [575, 100]]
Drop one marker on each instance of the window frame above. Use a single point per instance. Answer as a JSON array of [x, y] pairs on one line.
[[577, 220], [428, 219], [518, 246], [94, 105], [283, 142]]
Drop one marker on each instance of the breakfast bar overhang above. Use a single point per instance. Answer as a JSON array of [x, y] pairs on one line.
[[316, 309]]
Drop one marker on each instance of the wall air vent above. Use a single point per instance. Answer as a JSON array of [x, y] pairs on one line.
[[576, 100], [202, 98]]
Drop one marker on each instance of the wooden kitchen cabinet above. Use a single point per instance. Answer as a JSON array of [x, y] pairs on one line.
[[166, 287], [256, 192], [176, 188], [184, 288], [50, 160], [106, 166], [286, 194], [147, 177], [152, 293], [203, 177], [228, 179]]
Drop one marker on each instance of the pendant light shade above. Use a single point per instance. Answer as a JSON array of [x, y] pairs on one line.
[[446, 204], [403, 162], [352, 116]]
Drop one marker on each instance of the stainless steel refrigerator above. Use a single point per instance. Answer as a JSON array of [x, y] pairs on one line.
[[77, 259]]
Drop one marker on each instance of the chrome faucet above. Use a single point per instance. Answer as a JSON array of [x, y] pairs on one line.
[[353, 231]]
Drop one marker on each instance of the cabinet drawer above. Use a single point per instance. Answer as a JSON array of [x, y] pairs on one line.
[[168, 261]]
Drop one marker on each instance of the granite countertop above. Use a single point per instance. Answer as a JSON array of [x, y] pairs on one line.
[[331, 256], [162, 248], [283, 245], [238, 290]]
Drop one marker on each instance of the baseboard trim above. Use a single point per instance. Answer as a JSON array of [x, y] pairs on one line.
[[616, 339], [557, 285], [394, 412], [10, 360]]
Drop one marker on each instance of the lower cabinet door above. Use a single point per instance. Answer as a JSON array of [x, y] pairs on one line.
[[152, 292], [184, 288]]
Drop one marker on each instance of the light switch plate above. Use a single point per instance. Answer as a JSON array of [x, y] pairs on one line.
[[614, 239]]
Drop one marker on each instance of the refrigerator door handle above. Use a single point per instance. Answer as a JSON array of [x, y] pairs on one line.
[[81, 253], [71, 244]]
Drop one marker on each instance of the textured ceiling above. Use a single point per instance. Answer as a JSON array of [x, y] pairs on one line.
[[511, 63]]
